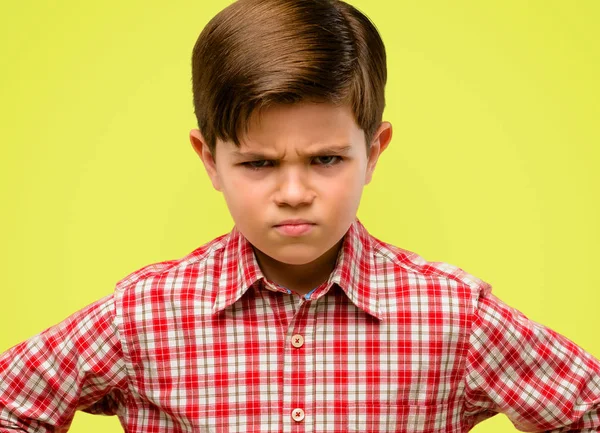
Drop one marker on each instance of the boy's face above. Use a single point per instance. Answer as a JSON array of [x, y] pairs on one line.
[[294, 174]]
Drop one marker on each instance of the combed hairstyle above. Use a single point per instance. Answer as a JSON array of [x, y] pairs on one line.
[[255, 53]]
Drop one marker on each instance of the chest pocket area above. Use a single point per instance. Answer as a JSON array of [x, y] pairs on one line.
[[384, 417]]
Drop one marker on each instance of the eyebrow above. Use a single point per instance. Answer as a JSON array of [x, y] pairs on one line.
[[325, 151]]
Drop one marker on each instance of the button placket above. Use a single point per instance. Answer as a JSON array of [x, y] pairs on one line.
[[297, 370]]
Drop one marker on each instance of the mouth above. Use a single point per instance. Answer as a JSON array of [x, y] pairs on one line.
[[294, 222], [296, 229]]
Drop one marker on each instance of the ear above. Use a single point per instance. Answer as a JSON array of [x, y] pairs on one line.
[[201, 148], [380, 142]]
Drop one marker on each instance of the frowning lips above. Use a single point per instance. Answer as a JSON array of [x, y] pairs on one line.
[[293, 222]]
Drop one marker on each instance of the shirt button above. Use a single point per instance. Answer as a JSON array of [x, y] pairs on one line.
[[297, 340], [298, 415]]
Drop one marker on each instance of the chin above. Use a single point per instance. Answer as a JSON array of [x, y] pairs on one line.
[[298, 257]]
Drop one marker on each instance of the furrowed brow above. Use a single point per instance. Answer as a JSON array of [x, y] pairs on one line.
[[249, 155], [333, 150], [329, 150]]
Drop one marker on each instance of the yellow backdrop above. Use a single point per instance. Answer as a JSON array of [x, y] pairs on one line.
[[493, 165]]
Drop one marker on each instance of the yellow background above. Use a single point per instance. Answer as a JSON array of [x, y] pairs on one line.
[[493, 166]]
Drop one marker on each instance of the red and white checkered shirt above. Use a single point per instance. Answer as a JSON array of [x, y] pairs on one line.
[[390, 343]]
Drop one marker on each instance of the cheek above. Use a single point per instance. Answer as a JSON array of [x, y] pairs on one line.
[[346, 190], [243, 195], [351, 181]]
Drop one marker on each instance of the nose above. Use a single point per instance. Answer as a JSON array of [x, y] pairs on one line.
[[294, 188]]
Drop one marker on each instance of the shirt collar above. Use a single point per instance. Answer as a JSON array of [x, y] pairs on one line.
[[354, 270]]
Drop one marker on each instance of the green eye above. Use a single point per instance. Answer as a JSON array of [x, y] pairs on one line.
[[255, 164], [329, 158]]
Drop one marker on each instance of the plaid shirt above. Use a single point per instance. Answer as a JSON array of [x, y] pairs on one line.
[[390, 342]]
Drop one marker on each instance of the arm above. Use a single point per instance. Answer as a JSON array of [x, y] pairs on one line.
[[74, 365], [538, 378]]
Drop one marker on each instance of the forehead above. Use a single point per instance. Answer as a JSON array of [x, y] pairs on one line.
[[300, 128]]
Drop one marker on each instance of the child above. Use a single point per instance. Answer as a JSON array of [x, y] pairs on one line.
[[298, 319]]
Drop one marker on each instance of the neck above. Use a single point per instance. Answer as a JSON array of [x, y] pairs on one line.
[[299, 278]]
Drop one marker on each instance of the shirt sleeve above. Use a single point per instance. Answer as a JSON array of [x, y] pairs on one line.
[[74, 365], [539, 379]]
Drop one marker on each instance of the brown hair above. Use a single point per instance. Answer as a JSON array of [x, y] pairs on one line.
[[255, 53]]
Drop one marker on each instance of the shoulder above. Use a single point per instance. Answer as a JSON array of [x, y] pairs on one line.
[[415, 276], [166, 275]]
